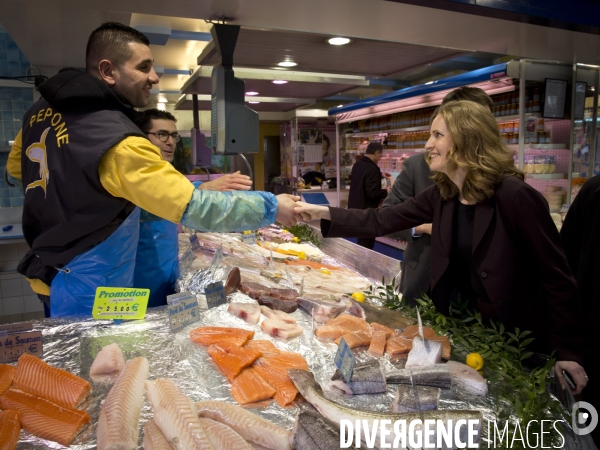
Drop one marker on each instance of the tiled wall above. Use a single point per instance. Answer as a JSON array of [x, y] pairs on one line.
[[14, 101], [17, 301]]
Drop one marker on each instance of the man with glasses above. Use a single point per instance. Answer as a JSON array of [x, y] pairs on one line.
[[156, 265]]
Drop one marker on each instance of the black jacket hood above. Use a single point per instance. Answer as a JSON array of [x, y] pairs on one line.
[[74, 90]]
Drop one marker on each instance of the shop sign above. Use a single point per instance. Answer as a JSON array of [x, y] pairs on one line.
[[18, 339], [183, 310], [344, 360], [120, 303]]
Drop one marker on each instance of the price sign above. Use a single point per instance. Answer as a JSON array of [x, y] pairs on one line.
[[194, 242], [18, 339], [215, 294], [183, 310], [249, 237], [344, 360], [216, 260], [120, 303]]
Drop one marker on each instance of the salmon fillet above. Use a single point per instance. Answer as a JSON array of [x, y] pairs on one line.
[[261, 345], [378, 327], [232, 360], [279, 379], [10, 428], [350, 323], [377, 347], [40, 379], [7, 373], [285, 360], [215, 335], [398, 346], [45, 419], [413, 330], [446, 347], [358, 339], [118, 422], [329, 332], [250, 387]]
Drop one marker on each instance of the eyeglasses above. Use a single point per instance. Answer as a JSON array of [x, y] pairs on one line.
[[164, 137]]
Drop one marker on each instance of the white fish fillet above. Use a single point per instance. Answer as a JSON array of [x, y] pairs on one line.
[[118, 426], [248, 425], [467, 378], [108, 360], [278, 315], [279, 329], [176, 417], [153, 438], [223, 437], [424, 353], [248, 312]]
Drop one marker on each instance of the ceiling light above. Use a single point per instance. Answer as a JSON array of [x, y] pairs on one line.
[[162, 100], [161, 106], [254, 103], [338, 41], [429, 82], [252, 93], [287, 64], [279, 81], [339, 106]]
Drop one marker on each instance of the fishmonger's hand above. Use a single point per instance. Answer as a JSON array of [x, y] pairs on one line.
[[285, 210], [575, 371], [310, 212], [230, 182]]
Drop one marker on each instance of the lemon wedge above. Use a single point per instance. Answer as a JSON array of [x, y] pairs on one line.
[[359, 297], [295, 239], [475, 360], [301, 255], [325, 271]]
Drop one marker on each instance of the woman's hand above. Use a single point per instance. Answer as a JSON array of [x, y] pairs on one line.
[[576, 373], [312, 212]]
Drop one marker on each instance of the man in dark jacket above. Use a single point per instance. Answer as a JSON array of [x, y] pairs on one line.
[[365, 184], [581, 238]]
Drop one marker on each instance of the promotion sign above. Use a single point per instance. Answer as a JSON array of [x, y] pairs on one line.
[[120, 303]]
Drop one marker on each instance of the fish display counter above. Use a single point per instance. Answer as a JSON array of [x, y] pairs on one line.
[[196, 368]]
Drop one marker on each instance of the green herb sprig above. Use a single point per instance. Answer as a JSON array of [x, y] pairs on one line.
[[305, 233]]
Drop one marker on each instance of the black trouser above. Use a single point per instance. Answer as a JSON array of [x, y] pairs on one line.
[[366, 242]]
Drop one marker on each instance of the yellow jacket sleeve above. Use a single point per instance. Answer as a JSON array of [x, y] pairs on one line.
[[13, 164], [133, 169]]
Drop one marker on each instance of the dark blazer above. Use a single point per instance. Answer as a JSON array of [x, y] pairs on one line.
[[516, 252], [365, 185], [414, 178]]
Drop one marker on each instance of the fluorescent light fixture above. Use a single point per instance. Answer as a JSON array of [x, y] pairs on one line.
[[339, 106], [162, 100], [429, 82], [279, 81], [287, 64], [338, 41], [161, 106], [251, 93], [254, 103]]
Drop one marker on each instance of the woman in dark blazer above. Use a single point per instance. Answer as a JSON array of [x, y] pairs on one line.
[[493, 241]]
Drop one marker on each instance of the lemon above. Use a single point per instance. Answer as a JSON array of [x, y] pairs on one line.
[[359, 297], [325, 271], [295, 239], [475, 360], [302, 255]]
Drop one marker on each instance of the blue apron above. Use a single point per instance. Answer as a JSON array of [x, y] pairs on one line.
[[156, 266], [110, 263]]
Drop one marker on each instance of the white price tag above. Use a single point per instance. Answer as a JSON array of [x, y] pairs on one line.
[[215, 294], [183, 310], [249, 237], [344, 360], [216, 260], [194, 242]]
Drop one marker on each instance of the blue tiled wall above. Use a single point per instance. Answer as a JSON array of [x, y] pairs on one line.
[[14, 101]]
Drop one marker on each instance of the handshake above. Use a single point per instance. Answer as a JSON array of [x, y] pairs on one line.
[[291, 211]]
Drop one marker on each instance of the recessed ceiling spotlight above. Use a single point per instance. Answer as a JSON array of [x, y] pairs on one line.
[[251, 93], [339, 106], [162, 100], [287, 64], [161, 106], [254, 103], [279, 81], [338, 41]]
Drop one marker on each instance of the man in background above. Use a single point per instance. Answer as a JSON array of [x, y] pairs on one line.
[[415, 177], [365, 184]]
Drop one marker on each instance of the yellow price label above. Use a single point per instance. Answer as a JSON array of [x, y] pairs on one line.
[[120, 303]]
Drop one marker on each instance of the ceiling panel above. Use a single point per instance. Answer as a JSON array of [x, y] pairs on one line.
[[185, 104], [265, 48]]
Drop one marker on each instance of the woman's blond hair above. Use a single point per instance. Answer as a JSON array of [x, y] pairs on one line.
[[478, 148]]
